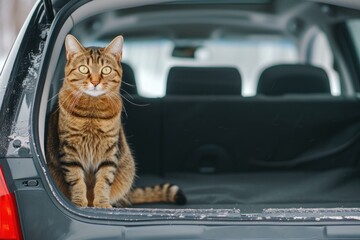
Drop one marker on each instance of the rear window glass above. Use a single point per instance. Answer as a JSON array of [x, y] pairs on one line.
[[152, 59], [151, 55]]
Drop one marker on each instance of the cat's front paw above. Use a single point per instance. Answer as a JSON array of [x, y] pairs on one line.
[[103, 205], [99, 204], [80, 202]]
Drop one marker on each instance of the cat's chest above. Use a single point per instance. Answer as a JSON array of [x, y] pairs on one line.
[[91, 133], [92, 140], [96, 128]]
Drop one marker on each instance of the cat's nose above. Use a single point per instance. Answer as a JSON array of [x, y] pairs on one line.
[[95, 81]]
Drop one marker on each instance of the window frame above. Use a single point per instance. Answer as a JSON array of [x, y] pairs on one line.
[[342, 35]]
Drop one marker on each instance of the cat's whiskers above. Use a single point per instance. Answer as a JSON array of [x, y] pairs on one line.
[[116, 95], [110, 96], [125, 111], [77, 98], [127, 93], [74, 98], [131, 85], [66, 98], [135, 104], [58, 92], [54, 96], [109, 99]]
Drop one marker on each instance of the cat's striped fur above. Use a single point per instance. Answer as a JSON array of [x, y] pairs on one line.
[[88, 155]]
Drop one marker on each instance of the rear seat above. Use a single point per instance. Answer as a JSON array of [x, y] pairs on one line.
[[293, 79], [128, 80], [203, 81], [142, 122], [143, 129], [188, 132], [226, 134]]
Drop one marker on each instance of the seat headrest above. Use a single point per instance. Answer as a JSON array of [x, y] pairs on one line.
[[128, 79], [293, 78], [203, 81]]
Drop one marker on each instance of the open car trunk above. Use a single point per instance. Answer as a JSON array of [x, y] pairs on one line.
[[249, 153], [256, 152]]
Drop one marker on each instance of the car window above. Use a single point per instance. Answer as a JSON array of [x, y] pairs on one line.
[[151, 55], [354, 26], [152, 59], [322, 56]]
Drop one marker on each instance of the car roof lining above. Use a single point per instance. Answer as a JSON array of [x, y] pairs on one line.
[[344, 3], [212, 21], [58, 4]]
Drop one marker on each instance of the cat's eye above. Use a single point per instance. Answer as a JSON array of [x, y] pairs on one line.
[[83, 69], [106, 70]]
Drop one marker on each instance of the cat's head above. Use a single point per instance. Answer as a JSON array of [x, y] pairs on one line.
[[93, 71]]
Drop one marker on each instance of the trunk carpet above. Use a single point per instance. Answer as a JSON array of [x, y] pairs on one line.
[[252, 192]]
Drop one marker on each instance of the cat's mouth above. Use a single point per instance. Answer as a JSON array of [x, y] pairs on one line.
[[94, 91]]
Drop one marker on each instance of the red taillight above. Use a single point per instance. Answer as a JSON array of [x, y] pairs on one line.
[[9, 221]]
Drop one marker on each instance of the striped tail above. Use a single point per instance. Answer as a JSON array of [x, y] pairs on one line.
[[164, 193]]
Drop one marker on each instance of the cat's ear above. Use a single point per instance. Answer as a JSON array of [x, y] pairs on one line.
[[115, 47], [72, 46]]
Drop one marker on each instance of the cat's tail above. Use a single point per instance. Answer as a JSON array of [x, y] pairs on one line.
[[162, 193]]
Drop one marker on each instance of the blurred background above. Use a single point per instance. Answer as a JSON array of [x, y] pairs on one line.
[[12, 16]]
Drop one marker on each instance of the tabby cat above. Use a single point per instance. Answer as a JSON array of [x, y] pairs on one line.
[[88, 155]]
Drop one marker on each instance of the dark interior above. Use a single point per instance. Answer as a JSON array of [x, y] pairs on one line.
[[235, 152], [226, 151], [293, 145]]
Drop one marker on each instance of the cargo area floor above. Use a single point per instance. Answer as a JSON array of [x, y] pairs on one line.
[[253, 192]]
